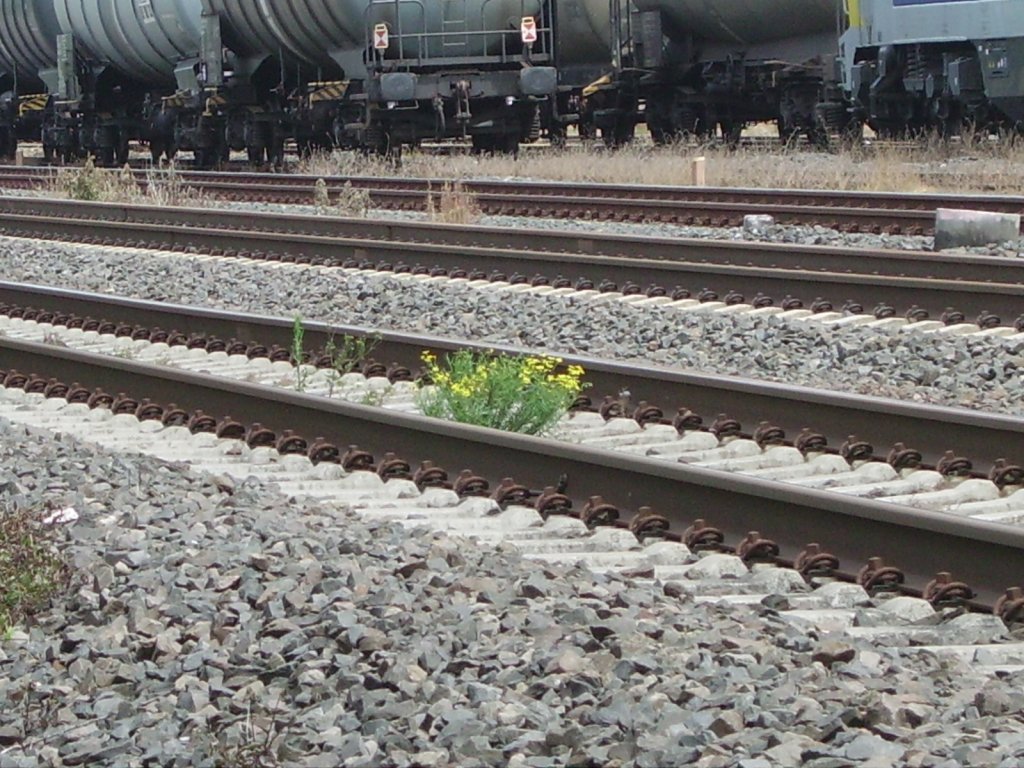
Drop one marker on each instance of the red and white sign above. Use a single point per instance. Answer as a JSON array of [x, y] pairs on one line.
[[380, 37], [528, 30]]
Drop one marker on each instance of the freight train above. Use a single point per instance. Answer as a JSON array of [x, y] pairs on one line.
[[87, 77]]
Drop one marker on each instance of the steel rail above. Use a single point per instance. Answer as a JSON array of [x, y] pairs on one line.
[[988, 556], [981, 437], [792, 256], [872, 204], [884, 279]]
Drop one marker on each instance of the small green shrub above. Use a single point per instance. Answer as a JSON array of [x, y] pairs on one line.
[[345, 355], [512, 393], [31, 569], [298, 354]]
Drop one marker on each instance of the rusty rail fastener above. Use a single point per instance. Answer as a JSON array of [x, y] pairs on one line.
[[755, 547], [1010, 607], [943, 591], [322, 451], [430, 476], [552, 502], [468, 484], [392, 467], [510, 492], [813, 562], [700, 536], [876, 576], [597, 512], [648, 524]]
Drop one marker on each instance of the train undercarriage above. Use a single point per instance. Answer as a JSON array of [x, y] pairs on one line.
[[943, 89]]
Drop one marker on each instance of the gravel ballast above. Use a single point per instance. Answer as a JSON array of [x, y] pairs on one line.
[[218, 623], [969, 371]]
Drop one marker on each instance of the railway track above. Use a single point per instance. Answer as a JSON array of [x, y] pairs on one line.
[[596, 456], [665, 393], [847, 211], [887, 284]]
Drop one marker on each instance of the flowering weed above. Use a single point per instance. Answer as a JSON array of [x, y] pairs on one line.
[[516, 394]]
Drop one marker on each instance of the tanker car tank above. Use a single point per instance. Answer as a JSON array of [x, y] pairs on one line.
[[28, 56]]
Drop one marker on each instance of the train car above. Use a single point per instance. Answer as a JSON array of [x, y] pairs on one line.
[[690, 67], [911, 66], [583, 55], [198, 75], [113, 56], [483, 69], [325, 40], [28, 57], [231, 94]]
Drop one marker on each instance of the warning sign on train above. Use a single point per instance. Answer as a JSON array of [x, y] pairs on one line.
[[380, 37], [528, 29]]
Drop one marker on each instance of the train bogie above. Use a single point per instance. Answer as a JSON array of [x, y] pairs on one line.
[[911, 66]]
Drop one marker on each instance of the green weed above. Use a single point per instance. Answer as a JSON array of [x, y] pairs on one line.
[[512, 393]]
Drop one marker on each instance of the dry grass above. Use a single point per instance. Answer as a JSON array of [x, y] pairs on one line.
[[453, 205], [163, 187], [351, 201], [970, 164]]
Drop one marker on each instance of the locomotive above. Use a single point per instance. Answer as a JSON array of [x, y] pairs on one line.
[[213, 76], [918, 65]]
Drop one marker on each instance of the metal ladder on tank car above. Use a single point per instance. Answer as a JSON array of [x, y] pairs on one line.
[[454, 24]]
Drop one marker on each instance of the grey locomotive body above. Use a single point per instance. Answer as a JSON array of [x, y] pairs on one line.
[[920, 65]]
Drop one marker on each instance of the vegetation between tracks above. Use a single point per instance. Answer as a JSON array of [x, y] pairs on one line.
[[512, 393], [31, 569], [972, 163], [341, 355], [88, 183]]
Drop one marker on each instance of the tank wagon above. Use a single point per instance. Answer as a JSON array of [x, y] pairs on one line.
[[211, 76], [199, 75], [324, 40], [927, 65], [477, 68], [698, 68], [28, 58]]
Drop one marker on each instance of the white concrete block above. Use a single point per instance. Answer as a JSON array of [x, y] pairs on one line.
[[963, 229]]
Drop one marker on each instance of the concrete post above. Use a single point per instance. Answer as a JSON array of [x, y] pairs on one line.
[[698, 173]]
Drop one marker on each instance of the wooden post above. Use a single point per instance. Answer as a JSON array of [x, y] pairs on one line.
[[698, 172], [19, 157]]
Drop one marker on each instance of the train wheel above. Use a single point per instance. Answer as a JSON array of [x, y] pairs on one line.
[[619, 134], [731, 132], [122, 151], [207, 157], [483, 144], [256, 154], [275, 153]]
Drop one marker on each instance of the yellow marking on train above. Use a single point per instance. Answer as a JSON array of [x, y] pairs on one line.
[[328, 91], [853, 12], [597, 85], [34, 102]]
